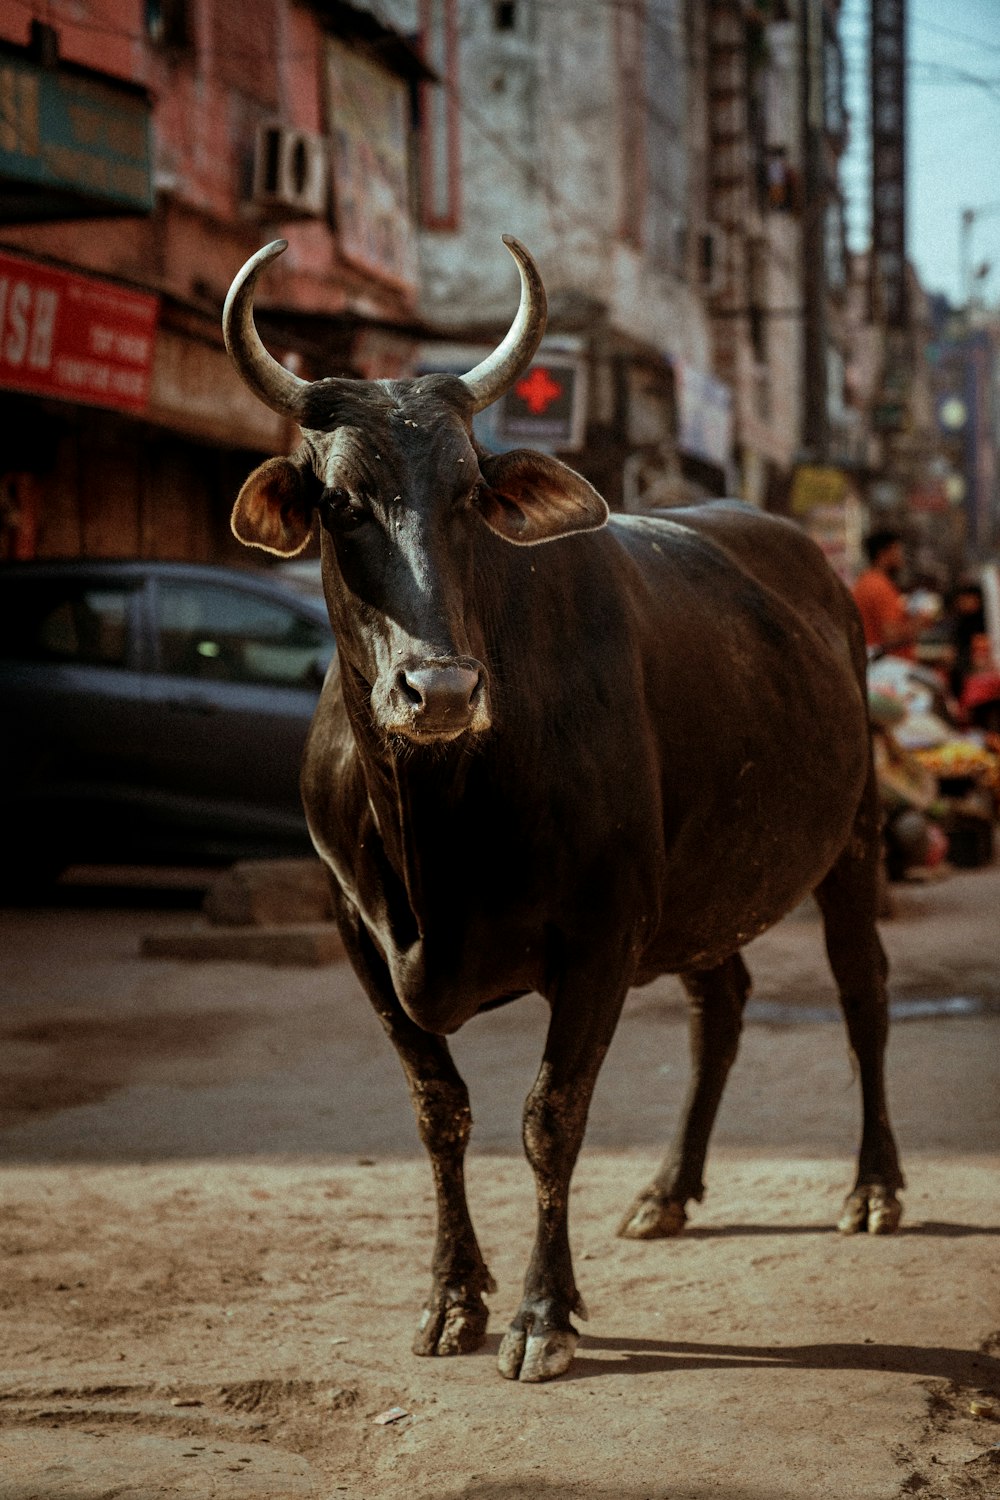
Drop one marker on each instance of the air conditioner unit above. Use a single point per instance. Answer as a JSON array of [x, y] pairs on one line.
[[290, 172], [712, 270]]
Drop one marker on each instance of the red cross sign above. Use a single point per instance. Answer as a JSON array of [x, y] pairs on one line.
[[538, 390]]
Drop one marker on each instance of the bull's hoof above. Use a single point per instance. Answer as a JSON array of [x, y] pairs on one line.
[[533, 1357], [876, 1210], [884, 1212], [452, 1325], [653, 1219]]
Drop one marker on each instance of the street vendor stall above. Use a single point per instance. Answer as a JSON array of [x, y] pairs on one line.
[[940, 784]]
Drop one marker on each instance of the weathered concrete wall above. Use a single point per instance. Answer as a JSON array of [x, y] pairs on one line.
[[542, 157]]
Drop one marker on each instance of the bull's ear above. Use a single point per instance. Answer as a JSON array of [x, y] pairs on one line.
[[274, 508], [529, 497]]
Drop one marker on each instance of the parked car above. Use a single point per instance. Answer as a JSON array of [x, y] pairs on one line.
[[152, 712]]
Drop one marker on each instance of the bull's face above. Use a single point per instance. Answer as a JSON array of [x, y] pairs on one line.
[[403, 494]]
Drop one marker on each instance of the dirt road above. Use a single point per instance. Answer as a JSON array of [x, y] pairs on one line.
[[215, 1227]]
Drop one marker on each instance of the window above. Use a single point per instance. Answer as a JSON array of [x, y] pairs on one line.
[[757, 298], [219, 634], [711, 259], [167, 23], [67, 622], [631, 31], [756, 110], [834, 116], [835, 248], [440, 204], [245, 48]]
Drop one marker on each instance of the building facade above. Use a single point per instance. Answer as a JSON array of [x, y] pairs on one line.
[[575, 129], [671, 165], [247, 123]]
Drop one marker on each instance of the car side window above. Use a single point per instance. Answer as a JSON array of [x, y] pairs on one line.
[[68, 621], [221, 634]]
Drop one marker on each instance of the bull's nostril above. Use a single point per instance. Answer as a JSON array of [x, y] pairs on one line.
[[410, 690], [440, 692]]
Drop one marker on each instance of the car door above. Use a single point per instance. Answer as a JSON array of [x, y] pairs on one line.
[[237, 675], [72, 745]]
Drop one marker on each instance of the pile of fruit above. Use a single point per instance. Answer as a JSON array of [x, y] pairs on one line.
[[963, 758]]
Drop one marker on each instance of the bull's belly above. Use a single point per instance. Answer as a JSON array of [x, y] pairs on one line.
[[727, 867], [709, 938], [709, 915], [474, 962], [442, 986], [704, 904]]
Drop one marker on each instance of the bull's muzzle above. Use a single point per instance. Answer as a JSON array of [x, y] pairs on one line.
[[438, 700]]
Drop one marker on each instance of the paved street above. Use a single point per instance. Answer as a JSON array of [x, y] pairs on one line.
[[216, 1227]]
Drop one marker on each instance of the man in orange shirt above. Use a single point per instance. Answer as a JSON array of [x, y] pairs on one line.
[[888, 624]]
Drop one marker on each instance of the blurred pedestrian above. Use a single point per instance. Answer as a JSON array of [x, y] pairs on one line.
[[889, 625], [966, 621]]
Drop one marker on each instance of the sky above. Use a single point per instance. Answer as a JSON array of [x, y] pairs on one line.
[[953, 114]]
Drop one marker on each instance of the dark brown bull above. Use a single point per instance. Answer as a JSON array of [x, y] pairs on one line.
[[564, 768]]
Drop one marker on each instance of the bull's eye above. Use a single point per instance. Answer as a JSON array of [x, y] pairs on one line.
[[344, 510]]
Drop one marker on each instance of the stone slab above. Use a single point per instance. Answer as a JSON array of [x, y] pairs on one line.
[[270, 892], [306, 945]]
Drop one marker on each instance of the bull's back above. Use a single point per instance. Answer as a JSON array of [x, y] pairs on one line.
[[725, 544]]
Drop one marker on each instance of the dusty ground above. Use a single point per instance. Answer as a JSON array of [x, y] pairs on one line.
[[215, 1227]]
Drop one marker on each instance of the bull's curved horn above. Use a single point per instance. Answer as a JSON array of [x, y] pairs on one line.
[[497, 373], [277, 387]]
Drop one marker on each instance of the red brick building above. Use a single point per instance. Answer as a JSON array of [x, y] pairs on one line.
[[147, 147]]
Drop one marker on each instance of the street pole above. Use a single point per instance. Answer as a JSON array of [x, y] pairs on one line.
[[969, 217], [965, 255], [815, 413]]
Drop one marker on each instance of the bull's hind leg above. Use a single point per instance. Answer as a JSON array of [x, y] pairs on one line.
[[455, 1316], [848, 899], [717, 999]]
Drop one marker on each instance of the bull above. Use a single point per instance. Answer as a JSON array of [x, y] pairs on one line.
[[566, 752]]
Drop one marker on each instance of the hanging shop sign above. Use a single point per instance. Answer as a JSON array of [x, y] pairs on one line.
[[888, 170], [817, 485], [73, 143], [74, 337], [837, 530], [547, 406]]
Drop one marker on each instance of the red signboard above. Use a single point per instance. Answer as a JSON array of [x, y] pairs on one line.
[[74, 337]]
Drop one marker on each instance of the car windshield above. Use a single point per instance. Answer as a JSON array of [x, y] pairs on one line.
[[214, 632]]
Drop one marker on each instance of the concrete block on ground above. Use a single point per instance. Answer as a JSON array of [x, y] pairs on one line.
[[304, 945], [269, 892]]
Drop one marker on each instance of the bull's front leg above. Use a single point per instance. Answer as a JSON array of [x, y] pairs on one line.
[[541, 1341], [455, 1315]]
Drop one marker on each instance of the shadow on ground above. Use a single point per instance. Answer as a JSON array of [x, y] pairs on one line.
[[960, 1367]]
